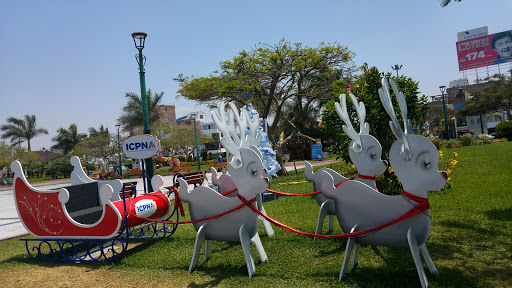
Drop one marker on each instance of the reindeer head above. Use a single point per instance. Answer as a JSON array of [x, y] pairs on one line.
[[246, 166], [365, 150], [413, 157]]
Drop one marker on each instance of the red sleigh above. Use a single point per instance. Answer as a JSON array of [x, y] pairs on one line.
[[81, 223]]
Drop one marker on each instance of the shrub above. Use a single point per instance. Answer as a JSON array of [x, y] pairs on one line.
[[435, 140], [484, 139], [182, 158], [504, 130], [466, 139], [451, 143]]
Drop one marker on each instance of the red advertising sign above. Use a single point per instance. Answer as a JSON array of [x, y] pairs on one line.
[[485, 51]]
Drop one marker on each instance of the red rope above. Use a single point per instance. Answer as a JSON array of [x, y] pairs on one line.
[[229, 192], [422, 206], [247, 203], [366, 177]]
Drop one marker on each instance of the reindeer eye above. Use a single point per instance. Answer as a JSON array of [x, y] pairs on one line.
[[374, 155], [254, 172], [427, 164]]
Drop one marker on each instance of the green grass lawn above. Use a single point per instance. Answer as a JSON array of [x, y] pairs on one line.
[[470, 243]]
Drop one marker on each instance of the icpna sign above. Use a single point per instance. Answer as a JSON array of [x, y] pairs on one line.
[[141, 146], [145, 208]]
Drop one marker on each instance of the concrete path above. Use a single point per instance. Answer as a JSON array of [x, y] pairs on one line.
[[11, 226]]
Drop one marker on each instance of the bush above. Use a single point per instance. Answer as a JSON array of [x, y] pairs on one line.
[[451, 143], [484, 139], [435, 140], [182, 158], [466, 139], [504, 130]]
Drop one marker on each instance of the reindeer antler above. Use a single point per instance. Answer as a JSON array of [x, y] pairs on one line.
[[231, 140], [385, 98], [348, 128]]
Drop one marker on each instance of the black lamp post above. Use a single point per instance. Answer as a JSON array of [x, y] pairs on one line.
[[139, 38], [443, 89]]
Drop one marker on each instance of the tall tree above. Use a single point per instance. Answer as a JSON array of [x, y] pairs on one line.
[[102, 146], [94, 132], [67, 139], [131, 117], [21, 130], [495, 96], [445, 3], [272, 77]]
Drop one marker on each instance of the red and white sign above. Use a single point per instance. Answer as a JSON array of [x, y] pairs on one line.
[[485, 51], [141, 146]]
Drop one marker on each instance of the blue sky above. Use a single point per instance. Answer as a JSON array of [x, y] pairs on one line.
[[73, 61]]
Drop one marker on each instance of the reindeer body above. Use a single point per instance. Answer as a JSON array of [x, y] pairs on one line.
[[359, 207], [246, 173], [365, 152]]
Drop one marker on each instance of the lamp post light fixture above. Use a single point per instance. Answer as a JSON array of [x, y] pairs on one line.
[[197, 146], [139, 38], [119, 151], [443, 89], [45, 154], [396, 68]]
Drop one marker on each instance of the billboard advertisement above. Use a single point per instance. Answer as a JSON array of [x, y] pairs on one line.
[[473, 33], [485, 50]]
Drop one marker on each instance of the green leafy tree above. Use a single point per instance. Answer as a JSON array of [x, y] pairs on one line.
[[496, 96], [366, 90], [102, 147], [274, 77], [101, 130], [67, 139], [21, 130], [445, 3], [10, 153], [131, 117]]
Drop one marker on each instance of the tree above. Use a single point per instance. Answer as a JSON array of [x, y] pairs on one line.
[[101, 130], [10, 153], [445, 3], [68, 139], [366, 90], [273, 77], [131, 117], [496, 96], [21, 130], [102, 146]]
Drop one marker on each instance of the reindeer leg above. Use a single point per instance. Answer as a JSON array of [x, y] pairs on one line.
[[246, 246], [257, 242], [430, 263], [266, 224], [350, 244], [330, 223], [207, 250], [355, 256], [197, 247], [321, 216], [415, 251]]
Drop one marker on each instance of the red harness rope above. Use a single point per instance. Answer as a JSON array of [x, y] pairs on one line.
[[248, 203], [305, 194], [366, 177], [422, 206]]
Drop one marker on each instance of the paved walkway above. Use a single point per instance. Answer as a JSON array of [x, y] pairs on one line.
[[11, 226]]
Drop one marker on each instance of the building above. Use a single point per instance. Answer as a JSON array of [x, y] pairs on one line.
[[167, 113], [456, 96]]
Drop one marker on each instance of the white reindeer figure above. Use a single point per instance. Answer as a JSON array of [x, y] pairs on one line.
[[359, 207], [365, 152], [227, 125], [250, 178]]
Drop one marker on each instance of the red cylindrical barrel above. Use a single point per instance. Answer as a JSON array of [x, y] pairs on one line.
[[152, 205]]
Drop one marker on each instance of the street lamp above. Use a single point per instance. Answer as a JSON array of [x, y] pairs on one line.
[[197, 146], [139, 38], [443, 89], [396, 68], [119, 151], [46, 154]]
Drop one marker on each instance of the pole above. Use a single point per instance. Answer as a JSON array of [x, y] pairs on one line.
[[142, 76], [445, 119], [119, 152], [197, 147], [87, 164]]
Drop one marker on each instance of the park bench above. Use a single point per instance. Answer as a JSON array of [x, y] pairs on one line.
[[128, 190], [133, 173], [217, 165], [193, 178]]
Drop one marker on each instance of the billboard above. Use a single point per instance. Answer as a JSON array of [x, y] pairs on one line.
[[485, 50], [141, 146], [473, 33]]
